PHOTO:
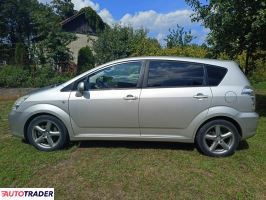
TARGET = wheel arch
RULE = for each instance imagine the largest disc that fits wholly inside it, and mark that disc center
(230, 119)
(46, 109)
(34, 116)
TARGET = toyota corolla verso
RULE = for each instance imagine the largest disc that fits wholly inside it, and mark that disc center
(202, 101)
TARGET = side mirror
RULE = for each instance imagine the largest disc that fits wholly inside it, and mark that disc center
(81, 87)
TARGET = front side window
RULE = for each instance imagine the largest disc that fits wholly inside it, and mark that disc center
(124, 75)
(175, 74)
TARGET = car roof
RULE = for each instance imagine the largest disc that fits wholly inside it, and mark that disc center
(223, 63)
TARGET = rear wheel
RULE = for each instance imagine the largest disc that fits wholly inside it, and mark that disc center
(217, 138)
(47, 133)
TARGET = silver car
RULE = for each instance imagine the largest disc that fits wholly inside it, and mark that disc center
(202, 101)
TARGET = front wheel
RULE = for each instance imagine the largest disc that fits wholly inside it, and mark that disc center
(47, 133)
(217, 138)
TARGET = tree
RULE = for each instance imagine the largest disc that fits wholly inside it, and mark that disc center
(188, 51)
(235, 27)
(86, 60)
(16, 23)
(113, 43)
(121, 42)
(57, 52)
(93, 19)
(143, 45)
(63, 8)
(21, 56)
(50, 43)
(36, 27)
(178, 37)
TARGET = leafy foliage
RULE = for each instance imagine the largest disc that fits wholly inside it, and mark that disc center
(16, 21)
(94, 20)
(113, 43)
(11, 76)
(86, 60)
(179, 37)
(235, 26)
(51, 42)
(36, 28)
(188, 51)
(121, 42)
(143, 45)
(14, 76)
(63, 8)
(21, 56)
(47, 76)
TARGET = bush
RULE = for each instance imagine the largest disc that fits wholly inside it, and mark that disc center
(46, 75)
(86, 60)
(259, 73)
(11, 76)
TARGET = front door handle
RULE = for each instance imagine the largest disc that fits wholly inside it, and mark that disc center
(130, 97)
(200, 96)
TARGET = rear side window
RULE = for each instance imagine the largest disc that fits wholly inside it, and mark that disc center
(215, 74)
(175, 74)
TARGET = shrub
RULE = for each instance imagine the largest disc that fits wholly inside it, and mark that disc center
(11, 76)
(46, 75)
(86, 60)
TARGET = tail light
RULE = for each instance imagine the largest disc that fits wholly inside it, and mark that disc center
(247, 90)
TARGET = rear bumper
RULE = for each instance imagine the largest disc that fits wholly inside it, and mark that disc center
(248, 123)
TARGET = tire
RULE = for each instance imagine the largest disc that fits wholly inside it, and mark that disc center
(217, 138)
(47, 133)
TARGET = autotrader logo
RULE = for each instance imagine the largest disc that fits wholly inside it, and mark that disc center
(27, 193)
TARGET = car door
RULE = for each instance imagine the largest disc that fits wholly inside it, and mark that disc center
(174, 93)
(109, 104)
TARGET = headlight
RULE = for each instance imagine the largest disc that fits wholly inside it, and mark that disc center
(19, 101)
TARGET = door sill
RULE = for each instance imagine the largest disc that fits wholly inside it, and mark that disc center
(130, 137)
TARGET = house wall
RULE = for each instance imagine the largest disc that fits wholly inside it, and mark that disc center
(81, 41)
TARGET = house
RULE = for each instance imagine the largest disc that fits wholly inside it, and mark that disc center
(85, 33)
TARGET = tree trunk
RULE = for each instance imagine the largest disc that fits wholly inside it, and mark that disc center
(246, 69)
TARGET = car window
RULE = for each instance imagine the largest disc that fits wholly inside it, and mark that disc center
(124, 75)
(175, 74)
(215, 74)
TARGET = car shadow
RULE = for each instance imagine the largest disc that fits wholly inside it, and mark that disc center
(243, 145)
(137, 145)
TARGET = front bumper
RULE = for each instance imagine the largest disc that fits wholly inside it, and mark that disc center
(16, 123)
(248, 123)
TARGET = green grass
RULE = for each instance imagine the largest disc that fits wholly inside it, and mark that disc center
(136, 170)
(260, 85)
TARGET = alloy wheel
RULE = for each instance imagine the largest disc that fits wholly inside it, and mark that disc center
(219, 139)
(46, 134)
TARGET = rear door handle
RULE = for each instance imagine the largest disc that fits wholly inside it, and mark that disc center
(200, 96)
(130, 97)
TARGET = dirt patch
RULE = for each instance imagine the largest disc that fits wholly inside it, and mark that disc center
(13, 93)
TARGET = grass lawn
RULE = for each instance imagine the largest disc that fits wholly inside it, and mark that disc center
(136, 170)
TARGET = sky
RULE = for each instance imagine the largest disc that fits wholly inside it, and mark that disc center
(157, 16)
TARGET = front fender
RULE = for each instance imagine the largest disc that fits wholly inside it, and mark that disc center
(52, 110)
